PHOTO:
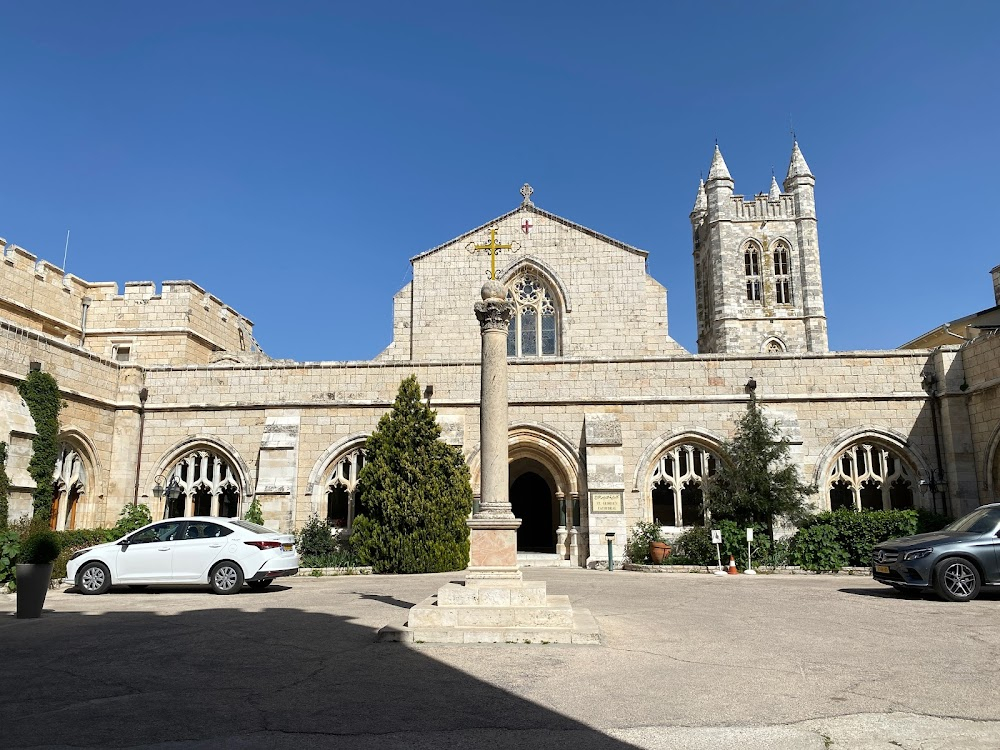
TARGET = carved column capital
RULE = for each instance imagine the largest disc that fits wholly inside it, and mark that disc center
(494, 315)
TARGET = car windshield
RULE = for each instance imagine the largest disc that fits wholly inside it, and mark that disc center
(977, 522)
(251, 526)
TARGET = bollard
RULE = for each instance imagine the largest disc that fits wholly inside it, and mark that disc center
(610, 536)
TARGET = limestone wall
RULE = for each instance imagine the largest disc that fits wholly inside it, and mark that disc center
(982, 373)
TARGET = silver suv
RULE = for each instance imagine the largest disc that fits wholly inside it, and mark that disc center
(956, 561)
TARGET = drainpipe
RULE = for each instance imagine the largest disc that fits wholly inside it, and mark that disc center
(143, 395)
(85, 303)
(930, 383)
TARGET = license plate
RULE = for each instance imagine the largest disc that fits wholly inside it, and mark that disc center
(286, 547)
(882, 569)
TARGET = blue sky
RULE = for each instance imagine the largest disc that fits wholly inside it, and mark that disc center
(291, 157)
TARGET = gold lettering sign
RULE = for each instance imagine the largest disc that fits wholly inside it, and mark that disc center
(606, 502)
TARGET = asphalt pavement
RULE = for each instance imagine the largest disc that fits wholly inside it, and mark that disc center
(688, 661)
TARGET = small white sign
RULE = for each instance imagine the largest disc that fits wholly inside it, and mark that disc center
(716, 536)
(749, 535)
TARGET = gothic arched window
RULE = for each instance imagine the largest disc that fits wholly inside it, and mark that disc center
(343, 501)
(870, 477)
(69, 484)
(782, 274)
(751, 265)
(676, 484)
(533, 326)
(205, 485)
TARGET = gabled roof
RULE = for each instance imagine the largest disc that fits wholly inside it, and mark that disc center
(957, 331)
(532, 209)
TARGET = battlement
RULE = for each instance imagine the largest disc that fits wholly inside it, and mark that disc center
(761, 207)
(179, 323)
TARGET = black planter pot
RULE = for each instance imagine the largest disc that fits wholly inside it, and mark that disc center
(32, 585)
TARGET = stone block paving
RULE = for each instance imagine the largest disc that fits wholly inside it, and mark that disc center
(685, 661)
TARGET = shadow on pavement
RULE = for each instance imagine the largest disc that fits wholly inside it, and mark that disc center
(279, 677)
(385, 600)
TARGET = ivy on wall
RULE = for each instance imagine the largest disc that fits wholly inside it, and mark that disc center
(41, 393)
(4, 486)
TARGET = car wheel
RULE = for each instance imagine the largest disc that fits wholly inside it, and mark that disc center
(226, 578)
(956, 579)
(93, 578)
(260, 585)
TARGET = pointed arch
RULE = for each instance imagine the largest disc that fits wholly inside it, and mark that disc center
(991, 471)
(545, 271)
(773, 345)
(543, 443)
(206, 465)
(673, 471)
(74, 481)
(329, 477)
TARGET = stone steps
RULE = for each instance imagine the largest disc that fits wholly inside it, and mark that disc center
(584, 631)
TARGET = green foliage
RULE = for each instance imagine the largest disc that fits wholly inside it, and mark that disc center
(416, 493)
(694, 547)
(315, 539)
(10, 546)
(816, 548)
(72, 540)
(4, 487)
(929, 521)
(639, 538)
(40, 548)
(757, 484)
(41, 393)
(856, 532)
(342, 557)
(254, 513)
(131, 518)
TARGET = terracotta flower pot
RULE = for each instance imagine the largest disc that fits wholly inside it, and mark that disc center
(657, 551)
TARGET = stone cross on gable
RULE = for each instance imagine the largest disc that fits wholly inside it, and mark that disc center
(526, 191)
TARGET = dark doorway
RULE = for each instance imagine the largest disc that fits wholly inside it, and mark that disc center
(531, 501)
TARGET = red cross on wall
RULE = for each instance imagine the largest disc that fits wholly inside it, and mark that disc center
(526, 226)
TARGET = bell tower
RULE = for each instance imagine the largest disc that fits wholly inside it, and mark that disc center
(758, 286)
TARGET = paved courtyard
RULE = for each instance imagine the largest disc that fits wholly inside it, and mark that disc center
(688, 661)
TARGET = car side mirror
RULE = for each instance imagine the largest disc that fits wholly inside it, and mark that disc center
(124, 543)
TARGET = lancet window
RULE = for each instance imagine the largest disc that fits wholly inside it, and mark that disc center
(69, 481)
(870, 477)
(343, 501)
(782, 274)
(533, 327)
(208, 487)
(751, 264)
(677, 482)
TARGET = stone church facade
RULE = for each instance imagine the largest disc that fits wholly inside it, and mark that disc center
(169, 401)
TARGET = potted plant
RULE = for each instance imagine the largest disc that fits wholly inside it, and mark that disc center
(34, 572)
(646, 541)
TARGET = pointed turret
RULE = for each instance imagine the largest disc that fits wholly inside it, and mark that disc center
(719, 170)
(797, 166)
(774, 194)
(700, 201)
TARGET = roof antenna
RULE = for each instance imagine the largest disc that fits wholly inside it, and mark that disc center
(65, 252)
(791, 127)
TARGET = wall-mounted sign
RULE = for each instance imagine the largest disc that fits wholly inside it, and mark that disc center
(607, 502)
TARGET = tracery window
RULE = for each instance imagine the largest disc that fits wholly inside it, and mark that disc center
(676, 485)
(343, 501)
(782, 274)
(773, 346)
(533, 329)
(870, 477)
(208, 487)
(69, 484)
(751, 264)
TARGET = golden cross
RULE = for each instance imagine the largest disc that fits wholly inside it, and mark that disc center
(492, 249)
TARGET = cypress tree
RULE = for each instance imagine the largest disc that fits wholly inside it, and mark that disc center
(415, 495)
(757, 484)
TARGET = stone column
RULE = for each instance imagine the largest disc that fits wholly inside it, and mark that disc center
(493, 528)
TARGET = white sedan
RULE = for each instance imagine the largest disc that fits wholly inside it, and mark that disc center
(222, 552)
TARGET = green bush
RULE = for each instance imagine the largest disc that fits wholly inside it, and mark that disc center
(342, 557)
(929, 521)
(693, 547)
(131, 518)
(415, 491)
(40, 548)
(10, 545)
(815, 547)
(77, 539)
(639, 538)
(315, 539)
(254, 513)
(4, 487)
(856, 532)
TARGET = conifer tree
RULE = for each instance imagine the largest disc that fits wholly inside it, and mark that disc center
(415, 495)
(757, 484)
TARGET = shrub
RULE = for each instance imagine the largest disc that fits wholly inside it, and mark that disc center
(131, 518)
(40, 548)
(815, 547)
(254, 513)
(694, 547)
(77, 539)
(415, 492)
(639, 538)
(315, 539)
(856, 532)
(41, 393)
(10, 545)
